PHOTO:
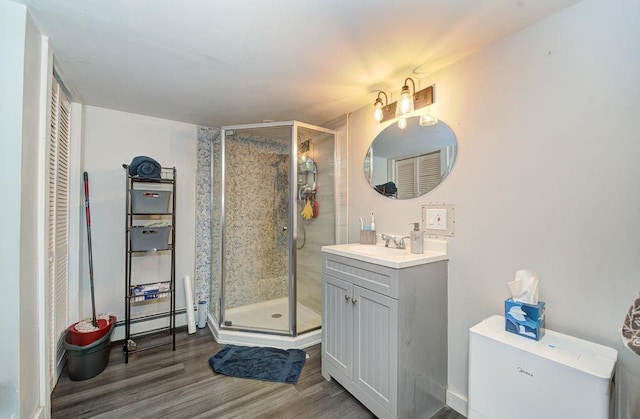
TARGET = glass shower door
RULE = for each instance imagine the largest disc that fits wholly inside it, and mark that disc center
(255, 228)
(316, 189)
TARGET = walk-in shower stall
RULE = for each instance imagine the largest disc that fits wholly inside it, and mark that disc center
(273, 207)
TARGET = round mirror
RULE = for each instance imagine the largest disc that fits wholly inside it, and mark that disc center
(407, 163)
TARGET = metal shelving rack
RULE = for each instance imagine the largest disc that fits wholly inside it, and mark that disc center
(167, 183)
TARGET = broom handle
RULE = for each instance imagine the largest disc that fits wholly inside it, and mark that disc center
(87, 212)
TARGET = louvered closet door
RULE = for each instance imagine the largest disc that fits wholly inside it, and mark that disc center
(58, 222)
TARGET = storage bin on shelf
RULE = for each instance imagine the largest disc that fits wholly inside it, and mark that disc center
(149, 238)
(149, 201)
(147, 292)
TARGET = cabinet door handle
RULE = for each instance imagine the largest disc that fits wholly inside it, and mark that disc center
(354, 300)
(347, 297)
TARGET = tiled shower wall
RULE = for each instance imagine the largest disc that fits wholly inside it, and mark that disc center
(208, 138)
(256, 211)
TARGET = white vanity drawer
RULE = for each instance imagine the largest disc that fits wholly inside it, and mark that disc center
(376, 278)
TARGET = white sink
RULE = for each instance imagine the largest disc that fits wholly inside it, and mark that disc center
(381, 251)
(435, 251)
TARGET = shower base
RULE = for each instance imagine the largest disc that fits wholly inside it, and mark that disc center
(264, 319)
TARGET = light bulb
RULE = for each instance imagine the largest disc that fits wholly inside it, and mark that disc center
(402, 123)
(406, 103)
(377, 110)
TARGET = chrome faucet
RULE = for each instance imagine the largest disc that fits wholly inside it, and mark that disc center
(398, 243)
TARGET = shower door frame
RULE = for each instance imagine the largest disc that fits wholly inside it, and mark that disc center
(292, 220)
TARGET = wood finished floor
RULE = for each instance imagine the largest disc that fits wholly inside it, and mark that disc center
(160, 383)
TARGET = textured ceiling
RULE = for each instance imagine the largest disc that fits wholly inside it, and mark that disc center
(218, 63)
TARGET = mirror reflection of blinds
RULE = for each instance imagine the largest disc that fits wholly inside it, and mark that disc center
(406, 178)
(417, 175)
(428, 172)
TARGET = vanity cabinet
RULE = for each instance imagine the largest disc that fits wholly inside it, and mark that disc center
(385, 334)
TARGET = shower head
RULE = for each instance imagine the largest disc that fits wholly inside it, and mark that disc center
(303, 191)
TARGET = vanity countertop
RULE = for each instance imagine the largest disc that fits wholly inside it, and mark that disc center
(434, 251)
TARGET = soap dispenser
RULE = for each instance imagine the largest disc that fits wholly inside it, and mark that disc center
(417, 239)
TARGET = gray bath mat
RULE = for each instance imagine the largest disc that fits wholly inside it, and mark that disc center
(267, 364)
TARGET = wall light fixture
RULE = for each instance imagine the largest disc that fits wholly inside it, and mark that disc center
(378, 112)
(408, 105)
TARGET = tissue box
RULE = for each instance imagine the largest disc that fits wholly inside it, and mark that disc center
(524, 319)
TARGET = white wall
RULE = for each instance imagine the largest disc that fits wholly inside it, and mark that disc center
(546, 178)
(20, 370)
(12, 33)
(30, 367)
(111, 139)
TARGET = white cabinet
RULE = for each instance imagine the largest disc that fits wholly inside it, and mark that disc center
(385, 334)
(337, 324)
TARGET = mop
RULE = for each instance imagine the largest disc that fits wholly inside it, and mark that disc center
(94, 320)
(89, 330)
